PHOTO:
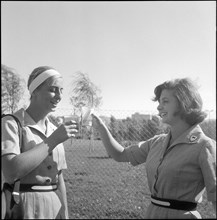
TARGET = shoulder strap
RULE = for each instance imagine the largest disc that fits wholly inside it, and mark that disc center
(19, 127)
(16, 188)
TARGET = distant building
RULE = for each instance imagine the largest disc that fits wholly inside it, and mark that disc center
(139, 117)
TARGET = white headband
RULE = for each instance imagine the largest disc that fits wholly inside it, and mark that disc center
(41, 78)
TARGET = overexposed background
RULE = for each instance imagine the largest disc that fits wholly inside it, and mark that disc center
(126, 48)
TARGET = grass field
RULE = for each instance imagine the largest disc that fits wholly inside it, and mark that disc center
(100, 188)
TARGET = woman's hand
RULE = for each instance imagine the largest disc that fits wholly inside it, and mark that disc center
(96, 121)
(114, 149)
(65, 131)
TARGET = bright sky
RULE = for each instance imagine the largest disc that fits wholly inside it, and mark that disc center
(126, 48)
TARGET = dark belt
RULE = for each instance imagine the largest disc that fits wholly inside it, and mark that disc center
(37, 188)
(173, 204)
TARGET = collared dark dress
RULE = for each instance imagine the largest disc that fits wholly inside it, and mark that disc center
(180, 171)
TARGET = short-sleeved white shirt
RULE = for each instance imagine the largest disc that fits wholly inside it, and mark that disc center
(47, 171)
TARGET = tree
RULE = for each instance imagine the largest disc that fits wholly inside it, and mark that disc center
(84, 94)
(12, 89)
(114, 127)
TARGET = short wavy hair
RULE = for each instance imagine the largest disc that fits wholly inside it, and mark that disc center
(190, 102)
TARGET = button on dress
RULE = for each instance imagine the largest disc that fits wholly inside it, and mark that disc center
(180, 171)
(37, 205)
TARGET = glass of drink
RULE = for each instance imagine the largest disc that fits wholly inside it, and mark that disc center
(86, 117)
(74, 118)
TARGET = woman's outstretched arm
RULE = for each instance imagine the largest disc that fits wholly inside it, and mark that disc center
(113, 148)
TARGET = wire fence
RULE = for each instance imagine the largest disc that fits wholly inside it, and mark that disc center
(99, 187)
(129, 125)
